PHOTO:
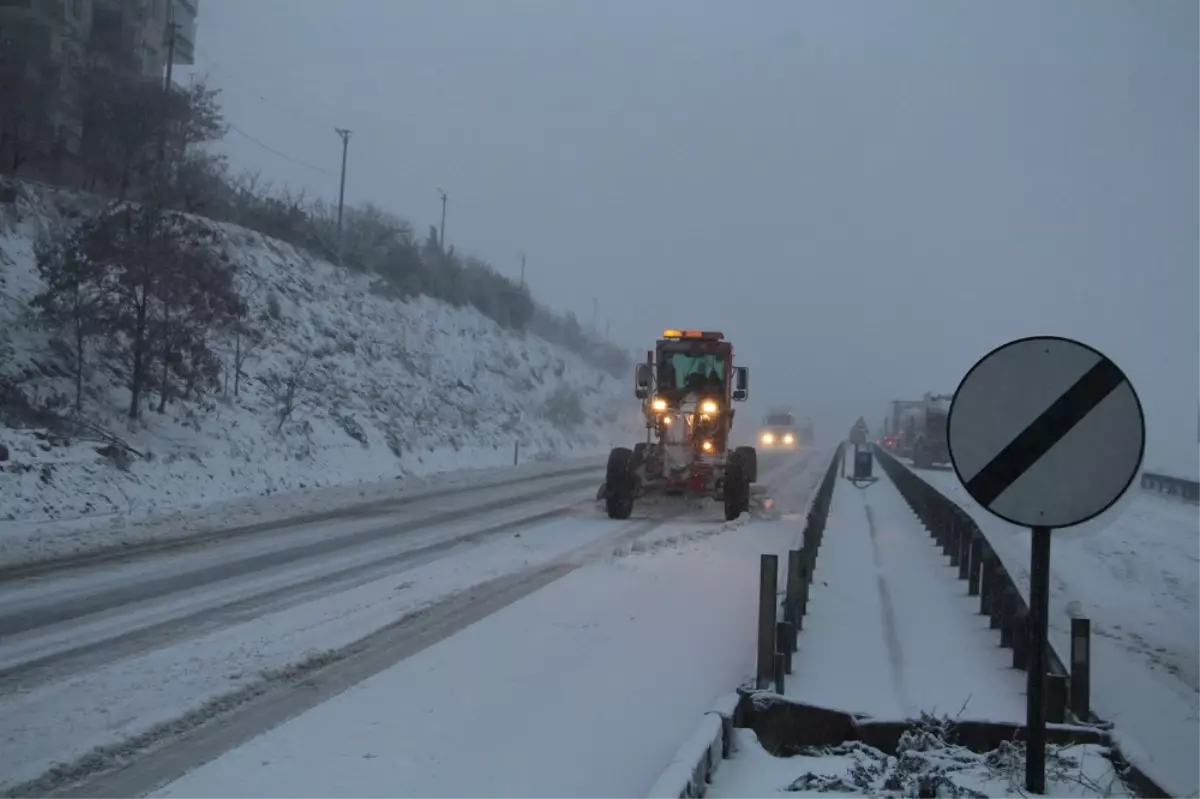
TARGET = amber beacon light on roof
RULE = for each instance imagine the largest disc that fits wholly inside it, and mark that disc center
(703, 335)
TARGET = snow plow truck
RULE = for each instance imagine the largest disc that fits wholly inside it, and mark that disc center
(687, 386)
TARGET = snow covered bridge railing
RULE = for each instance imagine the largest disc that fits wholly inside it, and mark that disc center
(1188, 490)
(999, 596)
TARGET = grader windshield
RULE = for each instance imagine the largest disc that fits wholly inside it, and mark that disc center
(694, 371)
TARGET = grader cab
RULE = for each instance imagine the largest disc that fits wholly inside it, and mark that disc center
(687, 386)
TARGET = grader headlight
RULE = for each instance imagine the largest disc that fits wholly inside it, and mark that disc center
(707, 446)
(709, 407)
(659, 405)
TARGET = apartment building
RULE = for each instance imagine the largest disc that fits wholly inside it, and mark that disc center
(36, 33)
(151, 29)
(59, 26)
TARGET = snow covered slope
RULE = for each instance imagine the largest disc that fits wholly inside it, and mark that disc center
(390, 389)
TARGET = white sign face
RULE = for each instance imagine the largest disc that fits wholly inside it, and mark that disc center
(1046, 432)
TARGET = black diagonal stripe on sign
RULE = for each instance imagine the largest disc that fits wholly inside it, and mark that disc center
(1047, 430)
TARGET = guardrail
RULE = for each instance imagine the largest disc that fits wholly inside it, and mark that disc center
(1068, 690)
(691, 771)
(1171, 486)
(778, 638)
(999, 596)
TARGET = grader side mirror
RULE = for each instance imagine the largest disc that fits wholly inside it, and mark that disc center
(741, 383)
(641, 380)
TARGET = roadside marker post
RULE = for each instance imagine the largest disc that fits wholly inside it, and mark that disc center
(1045, 432)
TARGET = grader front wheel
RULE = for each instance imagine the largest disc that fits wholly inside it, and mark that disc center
(737, 487)
(619, 483)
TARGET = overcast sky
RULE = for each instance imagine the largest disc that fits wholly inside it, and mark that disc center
(866, 197)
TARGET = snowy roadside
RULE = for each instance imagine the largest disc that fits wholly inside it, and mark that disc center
(341, 385)
(1133, 572)
(25, 542)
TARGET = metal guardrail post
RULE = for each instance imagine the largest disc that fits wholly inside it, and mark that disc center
(767, 577)
(975, 575)
(986, 582)
(1001, 586)
(1008, 614)
(1081, 668)
(964, 544)
(783, 643)
(1020, 641)
(1056, 697)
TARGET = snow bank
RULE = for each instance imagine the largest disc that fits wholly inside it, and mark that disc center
(398, 389)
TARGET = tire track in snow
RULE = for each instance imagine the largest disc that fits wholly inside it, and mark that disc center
(168, 750)
(209, 619)
(891, 639)
(174, 544)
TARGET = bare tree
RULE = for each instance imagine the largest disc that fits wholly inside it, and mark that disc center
(169, 291)
(288, 390)
(246, 335)
(128, 120)
(73, 300)
(200, 184)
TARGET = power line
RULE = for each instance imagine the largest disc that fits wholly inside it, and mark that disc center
(273, 151)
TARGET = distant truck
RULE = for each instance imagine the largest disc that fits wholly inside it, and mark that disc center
(916, 429)
(781, 430)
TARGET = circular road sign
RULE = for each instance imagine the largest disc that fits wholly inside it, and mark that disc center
(1046, 432)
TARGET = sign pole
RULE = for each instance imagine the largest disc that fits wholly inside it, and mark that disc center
(1045, 433)
(1035, 686)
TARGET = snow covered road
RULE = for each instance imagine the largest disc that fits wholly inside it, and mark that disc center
(890, 630)
(1133, 572)
(98, 667)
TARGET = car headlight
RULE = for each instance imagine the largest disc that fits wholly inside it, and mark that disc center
(708, 406)
(659, 404)
(768, 438)
(788, 439)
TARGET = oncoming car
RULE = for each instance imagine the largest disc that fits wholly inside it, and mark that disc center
(779, 430)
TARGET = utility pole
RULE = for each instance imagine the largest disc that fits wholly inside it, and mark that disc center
(345, 134)
(522, 270)
(442, 229)
(594, 306)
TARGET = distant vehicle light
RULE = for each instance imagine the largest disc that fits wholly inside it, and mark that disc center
(788, 439)
(768, 438)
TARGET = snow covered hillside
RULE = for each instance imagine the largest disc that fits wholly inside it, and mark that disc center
(345, 386)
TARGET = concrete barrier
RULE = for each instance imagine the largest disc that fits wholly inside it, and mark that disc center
(691, 770)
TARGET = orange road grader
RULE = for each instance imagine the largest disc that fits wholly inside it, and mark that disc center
(687, 386)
